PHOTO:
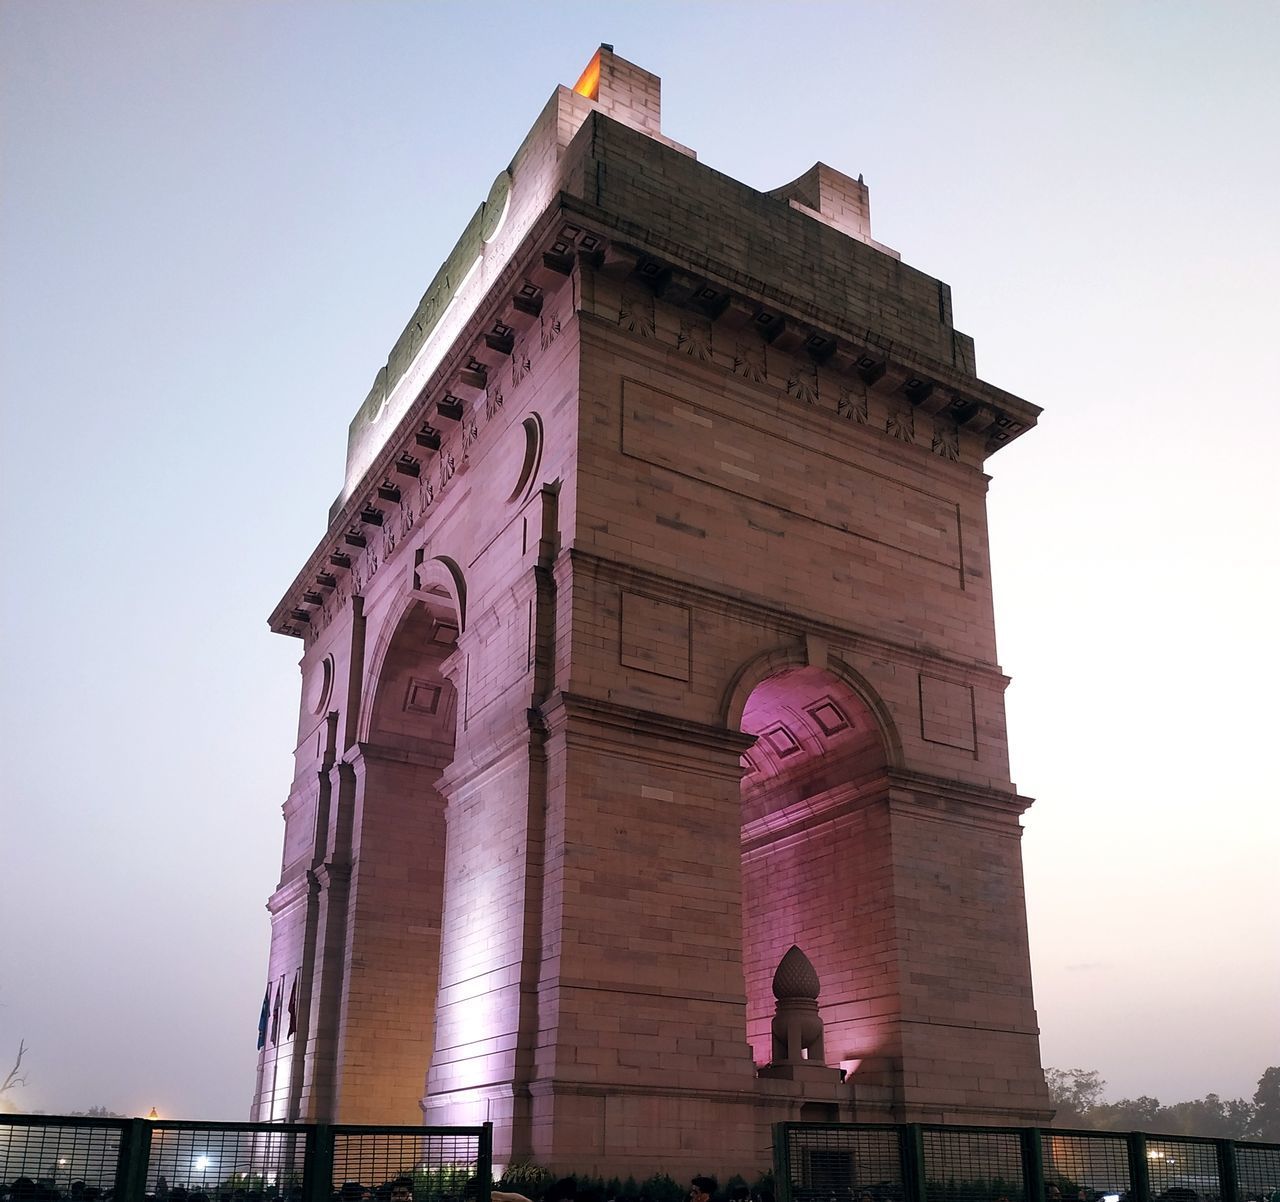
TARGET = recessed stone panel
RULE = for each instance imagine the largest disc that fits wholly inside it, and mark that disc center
(829, 717)
(655, 636)
(423, 697)
(946, 713)
(670, 432)
(781, 740)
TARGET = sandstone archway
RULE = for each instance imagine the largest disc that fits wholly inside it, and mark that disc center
(814, 849)
(398, 862)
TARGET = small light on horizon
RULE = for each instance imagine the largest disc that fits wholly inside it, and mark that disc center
(152, 1116)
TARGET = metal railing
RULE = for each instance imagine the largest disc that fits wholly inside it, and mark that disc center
(54, 1159)
(828, 1162)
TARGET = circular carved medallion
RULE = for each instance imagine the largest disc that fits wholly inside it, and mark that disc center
(319, 686)
(495, 208)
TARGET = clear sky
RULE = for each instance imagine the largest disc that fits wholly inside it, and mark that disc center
(215, 218)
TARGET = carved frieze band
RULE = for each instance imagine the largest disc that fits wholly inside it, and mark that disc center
(800, 377)
(918, 399)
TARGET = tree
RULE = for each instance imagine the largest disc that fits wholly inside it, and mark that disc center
(1265, 1124)
(1128, 1114)
(97, 1112)
(1075, 1092)
(16, 1076)
(1210, 1115)
(1239, 1116)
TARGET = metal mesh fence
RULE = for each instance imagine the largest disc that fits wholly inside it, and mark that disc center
(64, 1159)
(1183, 1170)
(438, 1163)
(831, 1162)
(42, 1158)
(861, 1164)
(972, 1166)
(224, 1163)
(1257, 1171)
(55, 1159)
(1097, 1164)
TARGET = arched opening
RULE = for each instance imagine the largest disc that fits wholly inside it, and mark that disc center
(815, 854)
(414, 706)
(398, 864)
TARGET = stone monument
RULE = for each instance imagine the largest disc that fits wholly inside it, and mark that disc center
(651, 635)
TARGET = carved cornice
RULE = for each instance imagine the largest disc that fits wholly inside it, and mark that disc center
(815, 810)
(434, 441)
(929, 796)
(926, 793)
(332, 873)
(362, 754)
(291, 892)
(692, 279)
(615, 726)
(477, 760)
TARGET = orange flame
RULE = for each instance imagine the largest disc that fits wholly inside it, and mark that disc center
(588, 84)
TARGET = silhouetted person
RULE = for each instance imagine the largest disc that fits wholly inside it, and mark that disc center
(703, 1188)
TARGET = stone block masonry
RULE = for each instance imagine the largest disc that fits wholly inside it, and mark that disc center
(651, 635)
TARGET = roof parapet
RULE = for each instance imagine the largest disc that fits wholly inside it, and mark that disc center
(623, 91)
(836, 200)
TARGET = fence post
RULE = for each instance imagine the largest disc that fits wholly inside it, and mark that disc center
(1032, 1164)
(1139, 1174)
(781, 1163)
(484, 1162)
(914, 1188)
(132, 1160)
(317, 1164)
(1228, 1178)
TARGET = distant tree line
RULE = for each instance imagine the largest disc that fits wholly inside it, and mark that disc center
(1078, 1095)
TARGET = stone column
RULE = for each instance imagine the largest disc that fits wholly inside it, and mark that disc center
(641, 1002)
(392, 932)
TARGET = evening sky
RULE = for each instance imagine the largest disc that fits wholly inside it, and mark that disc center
(215, 219)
